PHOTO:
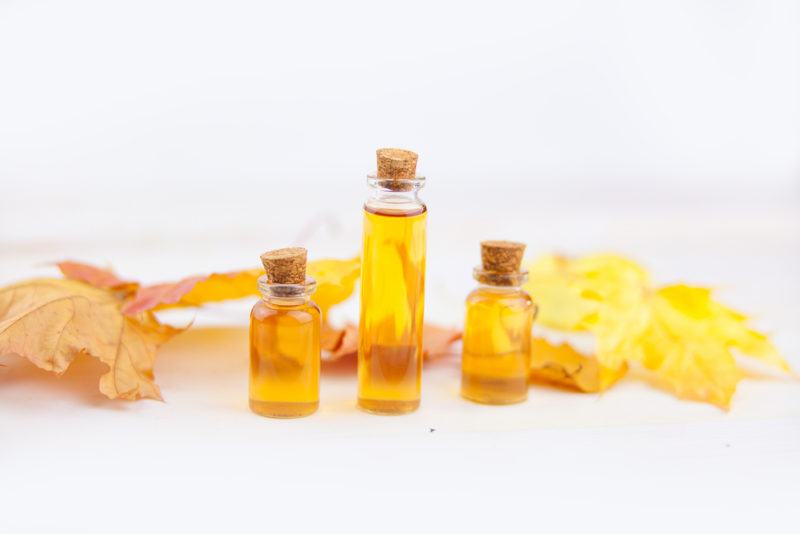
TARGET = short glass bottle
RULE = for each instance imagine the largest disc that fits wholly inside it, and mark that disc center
(285, 350)
(497, 339)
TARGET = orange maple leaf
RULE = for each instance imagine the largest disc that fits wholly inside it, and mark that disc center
(96, 276)
(51, 321)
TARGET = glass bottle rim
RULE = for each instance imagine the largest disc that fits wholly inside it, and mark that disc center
(496, 279)
(396, 184)
(286, 290)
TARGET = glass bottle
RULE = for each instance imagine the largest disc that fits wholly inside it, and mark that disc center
(497, 331)
(284, 339)
(392, 287)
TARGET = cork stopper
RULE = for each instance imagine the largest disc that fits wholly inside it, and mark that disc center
(396, 164)
(285, 265)
(502, 256)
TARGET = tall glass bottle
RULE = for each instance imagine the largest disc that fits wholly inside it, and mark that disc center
(284, 339)
(497, 331)
(392, 287)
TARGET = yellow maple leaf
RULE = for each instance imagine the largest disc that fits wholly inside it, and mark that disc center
(679, 332)
(574, 290)
(51, 321)
(336, 281)
(688, 339)
(195, 291)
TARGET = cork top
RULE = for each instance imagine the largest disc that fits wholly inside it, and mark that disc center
(285, 265)
(396, 164)
(502, 256)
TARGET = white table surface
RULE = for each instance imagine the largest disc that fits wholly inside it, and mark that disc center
(634, 458)
(173, 137)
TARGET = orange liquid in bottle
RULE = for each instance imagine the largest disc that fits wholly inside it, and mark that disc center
(392, 302)
(284, 359)
(497, 345)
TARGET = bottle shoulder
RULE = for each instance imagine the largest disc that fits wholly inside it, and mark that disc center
(500, 297)
(409, 209)
(304, 312)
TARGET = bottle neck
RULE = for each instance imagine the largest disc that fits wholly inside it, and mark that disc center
(500, 281)
(286, 294)
(499, 288)
(393, 194)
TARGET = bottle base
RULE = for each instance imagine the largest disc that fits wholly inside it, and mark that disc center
(495, 401)
(494, 391)
(387, 407)
(283, 410)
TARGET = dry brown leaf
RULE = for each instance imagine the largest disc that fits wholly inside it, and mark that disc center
(195, 291)
(51, 321)
(563, 365)
(96, 312)
(348, 343)
(335, 283)
(330, 338)
(190, 291)
(96, 276)
(436, 342)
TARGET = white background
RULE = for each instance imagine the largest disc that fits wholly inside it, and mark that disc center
(170, 137)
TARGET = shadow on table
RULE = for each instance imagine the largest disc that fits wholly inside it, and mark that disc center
(203, 365)
(207, 364)
(79, 382)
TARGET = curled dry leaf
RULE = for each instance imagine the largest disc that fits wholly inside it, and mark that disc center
(436, 342)
(561, 364)
(50, 321)
(96, 276)
(187, 292)
(347, 344)
(679, 332)
(336, 281)
(194, 291)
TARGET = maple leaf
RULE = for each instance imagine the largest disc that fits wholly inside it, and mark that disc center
(195, 291)
(191, 291)
(678, 332)
(96, 312)
(689, 340)
(336, 281)
(96, 276)
(51, 321)
(575, 290)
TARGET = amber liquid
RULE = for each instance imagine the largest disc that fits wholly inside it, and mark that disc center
(284, 359)
(497, 342)
(392, 301)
